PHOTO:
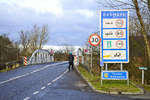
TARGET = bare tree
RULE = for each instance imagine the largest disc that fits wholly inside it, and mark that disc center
(43, 36)
(24, 41)
(135, 2)
(34, 37)
(148, 3)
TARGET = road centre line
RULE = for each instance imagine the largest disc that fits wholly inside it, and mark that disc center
(36, 92)
(27, 98)
(43, 87)
(59, 76)
(49, 83)
(29, 73)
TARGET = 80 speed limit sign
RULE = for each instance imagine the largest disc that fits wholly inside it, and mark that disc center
(94, 40)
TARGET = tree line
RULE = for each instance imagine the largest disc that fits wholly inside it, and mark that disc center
(28, 42)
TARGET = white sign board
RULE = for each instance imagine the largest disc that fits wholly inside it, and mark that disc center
(114, 28)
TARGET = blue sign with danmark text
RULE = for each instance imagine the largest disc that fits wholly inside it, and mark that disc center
(114, 32)
(114, 75)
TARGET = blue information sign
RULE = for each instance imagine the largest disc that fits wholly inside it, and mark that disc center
(114, 75)
(114, 36)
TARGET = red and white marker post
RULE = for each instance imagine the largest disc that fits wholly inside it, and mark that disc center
(25, 60)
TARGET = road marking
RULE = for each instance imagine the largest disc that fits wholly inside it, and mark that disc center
(34, 71)
(36, 92)
(43, 87)
(27, 98)
(49, 83)
(59, 76)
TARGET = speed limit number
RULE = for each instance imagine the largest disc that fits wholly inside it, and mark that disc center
(94, 40)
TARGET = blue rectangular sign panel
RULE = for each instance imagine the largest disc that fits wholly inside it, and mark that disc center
(114, 75)
(114, 28)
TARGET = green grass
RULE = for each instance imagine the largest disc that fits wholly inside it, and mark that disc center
(13, 67)
(147, 87)
(5, 70)
(108, 85)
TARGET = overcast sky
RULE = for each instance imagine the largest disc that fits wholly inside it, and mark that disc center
(69, 21)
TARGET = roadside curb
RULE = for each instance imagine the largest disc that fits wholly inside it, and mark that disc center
(100, 91)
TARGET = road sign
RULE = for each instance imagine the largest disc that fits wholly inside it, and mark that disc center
(114, 26)
(114, 75)
(143, 68)
(87, 51)
(94, 40)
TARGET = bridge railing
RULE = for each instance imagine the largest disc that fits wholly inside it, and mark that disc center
(41, 56)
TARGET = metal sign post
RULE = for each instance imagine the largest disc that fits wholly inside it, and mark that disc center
(142, 76)
(101, 65)
(91, 60)
(94, 40)
(121, 66)
(114, 32)
(106, 67)
(143, 68)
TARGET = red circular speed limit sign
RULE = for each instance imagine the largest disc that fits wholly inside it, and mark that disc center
(94, 40)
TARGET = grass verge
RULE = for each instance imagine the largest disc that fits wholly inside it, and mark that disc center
(108, 85)
(8, 69)
(147, 87)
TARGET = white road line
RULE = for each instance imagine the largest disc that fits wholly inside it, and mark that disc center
(43, 87)
(36, 92)
(34, 71)
(27, 98)
(49, 83)
(59, 76)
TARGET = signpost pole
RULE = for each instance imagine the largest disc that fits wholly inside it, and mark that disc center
(101, 76)
(142, 76)
(91, 60)
(106, 67)
(101, 82)
(121, 66)
(128, 80)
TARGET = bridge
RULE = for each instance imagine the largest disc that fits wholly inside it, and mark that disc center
(41, 56)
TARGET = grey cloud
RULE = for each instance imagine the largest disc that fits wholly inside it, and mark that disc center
(72, 27)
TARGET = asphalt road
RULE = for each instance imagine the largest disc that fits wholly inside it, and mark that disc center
(48, 82)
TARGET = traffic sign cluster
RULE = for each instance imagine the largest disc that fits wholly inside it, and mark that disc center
(114, 35)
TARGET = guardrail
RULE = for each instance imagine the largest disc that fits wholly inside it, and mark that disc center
(10, 65)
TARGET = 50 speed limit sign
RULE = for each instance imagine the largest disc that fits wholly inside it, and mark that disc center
(94, 40)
